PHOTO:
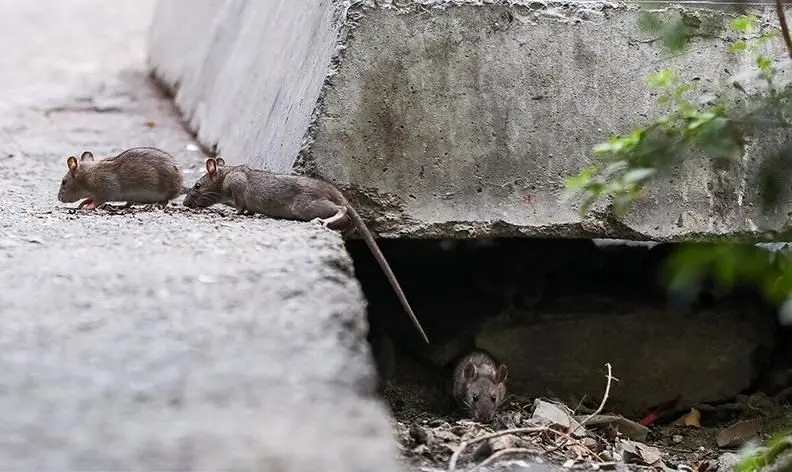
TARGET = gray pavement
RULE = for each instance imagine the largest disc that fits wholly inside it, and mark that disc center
(159, 340)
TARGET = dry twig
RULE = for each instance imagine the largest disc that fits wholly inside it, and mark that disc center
(455, 457)
(570, 439)
(604, 399)
(503, 452)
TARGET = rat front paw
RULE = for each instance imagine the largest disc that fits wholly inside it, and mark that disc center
(88, 204)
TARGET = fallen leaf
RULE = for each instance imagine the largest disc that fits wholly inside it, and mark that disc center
(739, 433)
(650, 455)
(556, 414)
(693, 418)
(508, 441)
(630, 429)
(500, 443)
(634, 451)
(150, 123)
(648, 419)
(654, 413)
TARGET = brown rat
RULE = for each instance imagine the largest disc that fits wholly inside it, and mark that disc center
(289, 197)
(140, 175)
(480, 385)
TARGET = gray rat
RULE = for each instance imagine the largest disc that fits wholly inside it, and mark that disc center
(289, 197)
(480, 385)
(140, 175)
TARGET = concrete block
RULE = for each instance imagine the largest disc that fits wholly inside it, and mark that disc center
(246, 74)
(449, 119)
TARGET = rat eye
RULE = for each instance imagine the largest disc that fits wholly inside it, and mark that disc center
(492, 397)
(475, 397)
(197, 185)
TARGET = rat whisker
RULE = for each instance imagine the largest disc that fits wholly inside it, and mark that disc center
(207, 199)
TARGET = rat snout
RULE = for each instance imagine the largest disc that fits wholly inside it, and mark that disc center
(484, 416)
(189, 201)
(66, 197)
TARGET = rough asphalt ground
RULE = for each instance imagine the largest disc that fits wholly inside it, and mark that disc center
(159, 340)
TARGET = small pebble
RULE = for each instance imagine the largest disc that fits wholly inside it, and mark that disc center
(677, 438)
(419, 434)
(421, 450)
(590, 443)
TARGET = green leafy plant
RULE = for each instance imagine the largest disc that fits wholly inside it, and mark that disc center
(714, 126)
(695, 123)
(754, 457)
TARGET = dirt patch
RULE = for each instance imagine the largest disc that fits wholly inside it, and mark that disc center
(530, 440)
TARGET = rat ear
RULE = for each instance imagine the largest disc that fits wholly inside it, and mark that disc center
(211, 166)
(86, 156)
(220, 162)
(470, 371)
(501, 374)
(71, 162)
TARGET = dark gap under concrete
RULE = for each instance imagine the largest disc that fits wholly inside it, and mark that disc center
(555, 311)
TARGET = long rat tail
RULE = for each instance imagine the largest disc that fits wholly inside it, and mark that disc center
(375, 250)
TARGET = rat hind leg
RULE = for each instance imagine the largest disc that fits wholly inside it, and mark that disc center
(340, 214)
(338, 220)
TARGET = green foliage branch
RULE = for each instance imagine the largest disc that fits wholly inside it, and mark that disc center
(710, 125)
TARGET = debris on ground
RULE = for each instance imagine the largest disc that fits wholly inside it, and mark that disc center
(553, 414)
(739, 433)
(692, 418)
(545, 434)
(612, 425)
(633, 452)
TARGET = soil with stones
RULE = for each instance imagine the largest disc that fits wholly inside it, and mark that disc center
(707, 439)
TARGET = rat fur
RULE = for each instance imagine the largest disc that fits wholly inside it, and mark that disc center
(290, 197)
(480, 385)
(141, 175)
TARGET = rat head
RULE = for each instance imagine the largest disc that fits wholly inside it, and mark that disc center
(72, 187)
(209, 188)
(485, 392)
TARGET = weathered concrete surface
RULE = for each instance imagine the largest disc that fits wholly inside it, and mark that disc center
(449, 118)
(163, 340)
(246, 74)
